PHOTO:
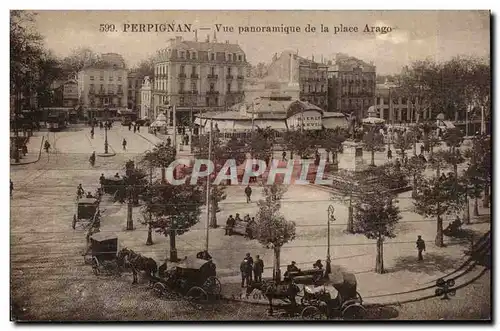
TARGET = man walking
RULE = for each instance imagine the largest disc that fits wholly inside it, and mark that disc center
(124, 144)
(11, 188)
(420, 248)
(229, 225)
(245, 270)
(258, 269)
(248, 193)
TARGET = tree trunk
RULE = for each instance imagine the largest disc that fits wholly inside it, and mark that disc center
(163, 176)
(173, 250)
(439, 232)
(414, 188)
(486, 198)
(213, 215)
(277, 270)
(373, 158)
(350, 218)
(149, 241)
(466, 217)
(476, 207)
(327, 157)
(130, 221)
(379, 263)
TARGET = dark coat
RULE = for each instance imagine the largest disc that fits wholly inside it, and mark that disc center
(258, 266)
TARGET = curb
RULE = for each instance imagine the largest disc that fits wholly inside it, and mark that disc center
(38, 159)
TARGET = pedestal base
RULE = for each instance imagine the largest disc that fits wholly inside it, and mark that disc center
(352, 157)
(106, 154)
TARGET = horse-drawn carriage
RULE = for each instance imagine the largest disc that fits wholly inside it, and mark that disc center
(318, 303)
(194, 278)
(114, 185)
(309, 276)
(102, 254)
(87, 212)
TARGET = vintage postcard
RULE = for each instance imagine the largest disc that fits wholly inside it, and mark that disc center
(250, 165)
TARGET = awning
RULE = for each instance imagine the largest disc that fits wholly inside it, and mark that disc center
(373, 120)
(159, 124)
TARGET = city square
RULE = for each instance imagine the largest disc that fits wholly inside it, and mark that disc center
(52, 280)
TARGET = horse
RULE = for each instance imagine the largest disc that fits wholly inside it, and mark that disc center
(273, 290)
(127, 258)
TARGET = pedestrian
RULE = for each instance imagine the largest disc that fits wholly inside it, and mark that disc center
(154, 131)
(249, 258)
(80, 191)
(422, 149)
(102, 179)
(129, 126)
(420, 248)
(46, 146)
(124, 144)
(169, 141)
(25, 150)
(186, 140)
(283, 156)
(138, 128)
(237, 218)
(11, 188)
(245, 270)
(92, 133)
(135, 128)
(389, 154)
(258, 269)
(117, 175)
(92, 159)
(248, 193)
(229, 225)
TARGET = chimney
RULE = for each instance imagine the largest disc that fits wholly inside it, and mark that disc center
(196, 35)
(215, 37)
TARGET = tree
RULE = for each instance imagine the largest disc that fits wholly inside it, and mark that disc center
(161, 156)
(431, 140)
(135, 184)
(49, 70)
(273, 230)
(438, 161)
(217, 194)
(376, 217)
(146, 67)
(236, 150)
(259, 71)
(473, 183)
(414, 168)
(373, 142)
(331, 140)
(174, 209)
(78, 59)
(480, 156)
(403, 142)
(436, 197)
(261, 143)
(301, 142)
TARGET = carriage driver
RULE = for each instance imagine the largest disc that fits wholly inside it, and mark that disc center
(80, 191)
(292, 267)
(318, 265)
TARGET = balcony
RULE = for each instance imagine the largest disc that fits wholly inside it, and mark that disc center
(213, 76)
(240, 77)
(212, 92)
(194, 76)
(120, 92)
(229, 77)
(182, 75)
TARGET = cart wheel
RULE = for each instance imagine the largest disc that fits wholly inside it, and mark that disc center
(359, 298)
(74, 222)
(159, 289)
(95, 270)
(312, 313)
(212, 285)
(197, 296)
(354, 312)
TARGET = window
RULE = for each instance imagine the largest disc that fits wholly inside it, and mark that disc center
(181, 86)
(182, 55)
(181, 100)
(102, 87)
(212, 71)
(91, 86)
(230, 57)
(110, 78)
(91, 77)
(120, 88)
(183, 68)
(229, 87)
(212, 87)
(193, 55)
(119, 78)
(102, 77)
(188, 55)
(193, 70)
(193, 86)
(239, 58)
(212, 56)
(229, 71)
(321, 88)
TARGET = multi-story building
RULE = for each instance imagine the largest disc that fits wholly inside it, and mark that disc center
(393, 106)
(103, 85)
(198, 76)
(351, 85)
(66, 93)
(311, 76)
(134, 82)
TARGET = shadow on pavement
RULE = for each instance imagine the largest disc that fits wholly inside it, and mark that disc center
(377, 312)
(432, 262)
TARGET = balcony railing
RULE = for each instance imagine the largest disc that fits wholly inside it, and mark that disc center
(212, 92)
(229, 76)
(182, 75)
(209, 76)
(194, 76)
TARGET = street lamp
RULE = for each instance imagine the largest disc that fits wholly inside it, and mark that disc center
(331, 218)
(106, 131)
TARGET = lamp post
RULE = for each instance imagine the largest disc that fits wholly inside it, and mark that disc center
(106, 131)
(331, 218)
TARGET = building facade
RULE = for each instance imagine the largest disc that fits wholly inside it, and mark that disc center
(310, 76)
(66, 94)
(197, 76)
(103, 85)
(134, 84)
(146, 100)
(351, 85)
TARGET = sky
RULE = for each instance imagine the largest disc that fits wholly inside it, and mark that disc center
(415, 35)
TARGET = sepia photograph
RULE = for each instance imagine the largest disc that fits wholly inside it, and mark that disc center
(231, 165)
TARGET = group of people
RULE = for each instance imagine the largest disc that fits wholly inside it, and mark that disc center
(251, 270)
(137, 127)
(249, 225)
(80, 192)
